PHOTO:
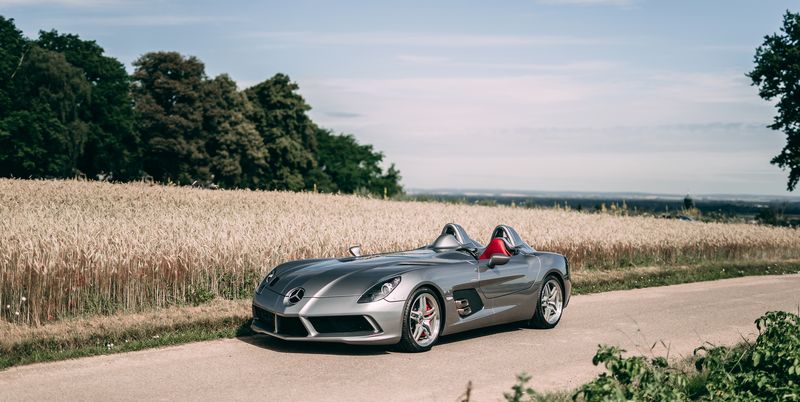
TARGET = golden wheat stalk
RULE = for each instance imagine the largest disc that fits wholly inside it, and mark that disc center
(73, 247)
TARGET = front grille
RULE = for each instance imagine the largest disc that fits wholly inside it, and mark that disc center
(286, 326)
(341, 324)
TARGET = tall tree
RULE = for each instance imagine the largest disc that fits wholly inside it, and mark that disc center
(236, 150)
(281, 117)
(167, 92)
(41, 133)
(66, 108)
(390, 181)
(13, 47)
(777, 76)
(353, 167)
(112, 145)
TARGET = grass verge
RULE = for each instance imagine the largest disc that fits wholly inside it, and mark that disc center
(98, 335)
(598, 281)
(43, 350)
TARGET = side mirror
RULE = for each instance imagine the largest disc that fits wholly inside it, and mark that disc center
(498, 259)
(355, 251)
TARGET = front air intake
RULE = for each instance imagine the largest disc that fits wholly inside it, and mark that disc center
(277, 324)
(341, 324)
(291, 326)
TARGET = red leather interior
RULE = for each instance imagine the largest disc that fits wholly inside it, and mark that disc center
(496, 246)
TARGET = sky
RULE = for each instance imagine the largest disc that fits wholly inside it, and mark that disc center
(529, 95)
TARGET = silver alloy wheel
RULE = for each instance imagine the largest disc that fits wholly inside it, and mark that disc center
(552, 301)
(423, 320)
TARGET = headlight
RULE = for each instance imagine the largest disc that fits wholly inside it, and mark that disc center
(380, 291)
(266, 281)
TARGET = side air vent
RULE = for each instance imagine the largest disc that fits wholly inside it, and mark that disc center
(467, 301)
(462, 306)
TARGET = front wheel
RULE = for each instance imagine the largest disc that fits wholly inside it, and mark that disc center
(421, 322)
(549, 305)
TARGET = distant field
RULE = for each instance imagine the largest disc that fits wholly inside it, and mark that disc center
(712, 207)
(75, 248)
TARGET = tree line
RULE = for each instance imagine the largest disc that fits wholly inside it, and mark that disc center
(67, 109)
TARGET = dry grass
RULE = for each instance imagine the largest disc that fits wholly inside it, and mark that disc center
(118, 326)
(75, 248)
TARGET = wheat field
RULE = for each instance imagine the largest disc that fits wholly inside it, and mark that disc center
(72, 248)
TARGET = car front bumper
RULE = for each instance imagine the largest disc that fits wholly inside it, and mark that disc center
(328, 319)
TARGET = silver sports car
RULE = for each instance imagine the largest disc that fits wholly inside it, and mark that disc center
(411, 298)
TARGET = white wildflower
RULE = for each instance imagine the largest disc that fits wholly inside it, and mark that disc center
(16, 313)
(24, 298)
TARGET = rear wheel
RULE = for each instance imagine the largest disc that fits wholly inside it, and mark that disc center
(421, 322)
(549, 305)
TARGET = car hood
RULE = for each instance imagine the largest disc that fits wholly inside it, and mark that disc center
(350, 276)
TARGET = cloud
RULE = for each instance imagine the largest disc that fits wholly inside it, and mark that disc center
(445, 105)
(122, 16)
(715, 137)
(546, 98)
(423, 60)
(445, 62)
(751, 48)
(646, 131)
(64, 3)
(139, 21)
(663, 172)
(616, 3)
(344, 115)
(426, 40)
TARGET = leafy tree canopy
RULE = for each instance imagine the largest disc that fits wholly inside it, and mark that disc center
(41, 132)
(353, 167)
(167, 90)
(13, 47)
(68, 109)
(238, 155)
(112, 144)
(777, 76)
(281, 117)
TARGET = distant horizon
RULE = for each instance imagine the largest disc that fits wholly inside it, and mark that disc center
(600, 94)
(597, 194)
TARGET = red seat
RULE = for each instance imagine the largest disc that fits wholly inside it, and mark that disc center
(496, 246)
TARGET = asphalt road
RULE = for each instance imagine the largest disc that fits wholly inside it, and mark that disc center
(681, 316)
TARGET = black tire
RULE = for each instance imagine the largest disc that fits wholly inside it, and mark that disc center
(539, 321)
(407, 342)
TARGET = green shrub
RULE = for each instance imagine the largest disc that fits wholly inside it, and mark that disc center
(199, 295)
(633, 378)
(521, 392)
(767, 370)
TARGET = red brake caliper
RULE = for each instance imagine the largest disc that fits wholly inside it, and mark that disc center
(427, 308)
